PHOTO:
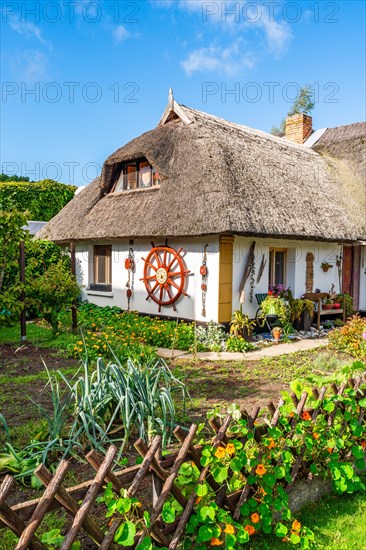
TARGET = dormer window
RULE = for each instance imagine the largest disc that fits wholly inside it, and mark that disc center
(137, 174)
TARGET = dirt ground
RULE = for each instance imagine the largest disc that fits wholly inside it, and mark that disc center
(23, 377)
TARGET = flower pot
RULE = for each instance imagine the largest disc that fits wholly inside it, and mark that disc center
(337, 306)
(248, 335)
(276, 334)
(328, 306)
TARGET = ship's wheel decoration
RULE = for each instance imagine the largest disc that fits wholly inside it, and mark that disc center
(165, 275)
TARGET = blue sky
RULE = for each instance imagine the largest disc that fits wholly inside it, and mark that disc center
(100, 71)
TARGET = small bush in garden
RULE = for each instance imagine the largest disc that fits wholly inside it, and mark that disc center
(351, 338)
(237, 343)
(210, 337)
(52, 291)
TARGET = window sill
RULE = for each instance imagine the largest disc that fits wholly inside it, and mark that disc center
(99, 293)
(138, 190)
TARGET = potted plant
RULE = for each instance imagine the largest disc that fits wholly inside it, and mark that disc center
(326, 266)
(241, 325)
(276, 333)
(275, 307)
(328, 303)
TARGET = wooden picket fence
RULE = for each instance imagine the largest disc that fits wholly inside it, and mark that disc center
(25, 518)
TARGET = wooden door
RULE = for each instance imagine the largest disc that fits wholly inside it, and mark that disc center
(351, 272)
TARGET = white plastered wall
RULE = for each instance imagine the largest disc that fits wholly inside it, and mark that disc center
(296, 267)
(187, 307)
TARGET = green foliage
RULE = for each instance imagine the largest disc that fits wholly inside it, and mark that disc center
(263, 460)
(273, 305)
(130, 396)
(238, 344)
(47, 445)
(5, 177)
(304, 102)
(107, 327)
(99, 406)
(240, 323)
(42, 199)
(348, 302)
(11, 234)
(351, 338)
(210, 337)
(52, 291)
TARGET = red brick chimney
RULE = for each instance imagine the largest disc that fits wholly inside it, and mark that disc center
(299, 127)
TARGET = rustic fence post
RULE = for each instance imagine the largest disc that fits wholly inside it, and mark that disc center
(74, 303)
(23, 324)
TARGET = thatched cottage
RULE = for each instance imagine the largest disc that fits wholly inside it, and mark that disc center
(168, 226)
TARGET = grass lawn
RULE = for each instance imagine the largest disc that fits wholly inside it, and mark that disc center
(338, 522)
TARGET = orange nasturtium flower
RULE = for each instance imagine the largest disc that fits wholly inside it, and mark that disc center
(255, 517)
(296, 526)
(216, 542)
(220, 452)
(260, 470)
(249, 529)
(230, 449)
(306, 416)
(316, 435)
(363, 444)
(271, 443)
(229, 529)
(330, 450)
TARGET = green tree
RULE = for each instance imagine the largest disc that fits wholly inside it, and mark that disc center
(304, 103)
(5, 177)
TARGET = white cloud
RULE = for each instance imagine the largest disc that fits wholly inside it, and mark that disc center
(238, 19)
(228, 61)
(28, 29)
(29, 65)
(278, 35)
(120, 33)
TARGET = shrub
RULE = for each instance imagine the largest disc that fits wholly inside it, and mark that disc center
(52, 291)
(11, 234)
(351, 338)
(42, 199)
(237, 343)
(348, 303)
(210, 337)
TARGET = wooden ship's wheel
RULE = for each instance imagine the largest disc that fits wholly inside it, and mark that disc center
(165, 276)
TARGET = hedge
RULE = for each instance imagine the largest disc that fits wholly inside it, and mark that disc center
(43, 199)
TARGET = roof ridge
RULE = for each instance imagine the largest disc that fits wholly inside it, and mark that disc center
(246, 129)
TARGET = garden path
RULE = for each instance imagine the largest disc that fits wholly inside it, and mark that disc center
(271, 351)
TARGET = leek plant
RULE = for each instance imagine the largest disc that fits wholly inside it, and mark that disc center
(102, 406)
(124, 398)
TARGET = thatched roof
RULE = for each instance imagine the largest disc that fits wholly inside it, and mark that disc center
(217, 177)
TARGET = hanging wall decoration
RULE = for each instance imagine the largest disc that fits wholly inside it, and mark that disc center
(309, 278)
(261, 268)
(165, 275)
(204, 276)
(130, 267)
(248, 272)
